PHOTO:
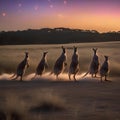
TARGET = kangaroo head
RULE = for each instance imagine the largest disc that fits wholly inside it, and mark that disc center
(45, 53)
(63, 49)
(95, 50)
(75, 49)
(106, 58)
(26, 54)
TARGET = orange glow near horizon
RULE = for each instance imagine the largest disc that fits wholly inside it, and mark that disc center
(84, 21)
(101, 23)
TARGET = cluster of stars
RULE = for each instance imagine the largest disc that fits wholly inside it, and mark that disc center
(51, 5)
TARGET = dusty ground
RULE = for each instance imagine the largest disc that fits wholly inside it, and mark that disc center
(87, 99)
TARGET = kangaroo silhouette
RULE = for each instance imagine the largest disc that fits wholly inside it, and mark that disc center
(104, 70)
(22, 67)
(74, 65)
(60, 63)
(94, 66)
(42, 65)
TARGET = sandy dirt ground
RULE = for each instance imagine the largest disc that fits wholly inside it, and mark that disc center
(86, 99)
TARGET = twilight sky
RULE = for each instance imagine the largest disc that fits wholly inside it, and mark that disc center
(100, 15)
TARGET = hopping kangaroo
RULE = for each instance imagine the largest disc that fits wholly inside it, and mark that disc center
(94, 66)
(22, 67)
(104, 70)
(74, 66)
(42, 65)
(60, 63)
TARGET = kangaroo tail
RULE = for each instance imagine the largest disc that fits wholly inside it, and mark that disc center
(13, 75)
(85, 74)
(51, 73)
(34, 76)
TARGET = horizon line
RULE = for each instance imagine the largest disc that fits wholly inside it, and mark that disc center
(56, 28)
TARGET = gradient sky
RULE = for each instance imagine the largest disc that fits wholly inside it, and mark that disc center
(100, 15)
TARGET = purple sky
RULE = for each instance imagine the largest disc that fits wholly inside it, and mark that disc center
(100, 15)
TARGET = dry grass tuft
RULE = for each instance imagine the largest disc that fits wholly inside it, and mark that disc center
(47, 101)
(2, 115)
(12, 108)
(47, 107)
(24, 106)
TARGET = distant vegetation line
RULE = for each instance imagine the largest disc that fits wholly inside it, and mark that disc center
(55, 36)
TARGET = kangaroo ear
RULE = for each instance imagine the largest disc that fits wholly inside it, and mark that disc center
(26, 53)
(63, 47)
(45, 52)
(93, 49)
(96, 49)
(106, 56)
(74, 47)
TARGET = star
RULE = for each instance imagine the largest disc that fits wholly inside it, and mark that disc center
(4, 14)
(19, 5)
(51, 6)
(36, 8)
(65, 2)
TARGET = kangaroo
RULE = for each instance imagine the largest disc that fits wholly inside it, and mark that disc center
(22, 67)
(60, 63)
(94, 66)
(74, 65)
(42, 65)
(104, 70)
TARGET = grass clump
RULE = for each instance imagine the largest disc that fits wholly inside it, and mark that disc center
(48, 102)
(12, 108)
(2, 115)
(47, 107)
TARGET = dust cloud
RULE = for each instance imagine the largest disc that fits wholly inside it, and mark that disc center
(46, 76)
